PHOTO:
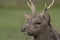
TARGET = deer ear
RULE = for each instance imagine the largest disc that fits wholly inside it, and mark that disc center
(27, 16)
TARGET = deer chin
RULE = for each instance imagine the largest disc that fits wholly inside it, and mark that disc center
(34, 35)
(28, 33)
(31, 34)
(25, 33)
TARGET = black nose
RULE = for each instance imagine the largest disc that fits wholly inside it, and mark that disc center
(23, 29)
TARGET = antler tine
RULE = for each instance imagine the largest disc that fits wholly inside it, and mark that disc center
(46, 8)
(31, 6)
(50, 4)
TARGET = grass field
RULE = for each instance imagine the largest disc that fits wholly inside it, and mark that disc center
(12, 20)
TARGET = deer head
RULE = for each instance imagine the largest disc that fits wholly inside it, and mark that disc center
(36, 22)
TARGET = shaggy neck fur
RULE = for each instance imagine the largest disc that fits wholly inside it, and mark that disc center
(46, 33)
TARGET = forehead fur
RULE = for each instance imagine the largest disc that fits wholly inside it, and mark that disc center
(34, 18)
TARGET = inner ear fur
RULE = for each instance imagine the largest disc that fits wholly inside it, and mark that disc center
(27, 16)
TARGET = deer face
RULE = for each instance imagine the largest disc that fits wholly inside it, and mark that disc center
(36, 22)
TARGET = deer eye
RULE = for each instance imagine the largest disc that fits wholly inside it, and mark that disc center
(37, 23)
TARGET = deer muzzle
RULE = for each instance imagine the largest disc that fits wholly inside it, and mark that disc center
(23, 29)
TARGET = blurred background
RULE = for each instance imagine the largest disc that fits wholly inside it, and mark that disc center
(12, 17)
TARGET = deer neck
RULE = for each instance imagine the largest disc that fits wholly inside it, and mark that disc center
(45, 34)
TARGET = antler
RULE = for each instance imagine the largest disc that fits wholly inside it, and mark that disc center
(50, 4)
(31, 6)
(46, 8)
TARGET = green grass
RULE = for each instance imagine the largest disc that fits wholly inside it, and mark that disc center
(12, 20)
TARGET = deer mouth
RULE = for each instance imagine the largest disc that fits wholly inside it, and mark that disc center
(28, 33)
(32, 33)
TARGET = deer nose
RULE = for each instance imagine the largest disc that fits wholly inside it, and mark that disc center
(23, 29)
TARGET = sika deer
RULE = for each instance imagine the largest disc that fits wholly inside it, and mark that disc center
(38, 25)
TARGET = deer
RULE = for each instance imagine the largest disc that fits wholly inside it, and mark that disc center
(39, 25)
